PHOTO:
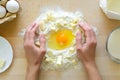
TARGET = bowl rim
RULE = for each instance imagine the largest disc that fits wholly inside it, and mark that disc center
(112, 57)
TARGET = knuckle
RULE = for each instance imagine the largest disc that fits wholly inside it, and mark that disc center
(29, 31)
(78, 49)
(43, 50)
(92, 43)
(95, 42)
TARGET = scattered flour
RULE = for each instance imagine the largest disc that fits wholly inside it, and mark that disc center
(53, 20)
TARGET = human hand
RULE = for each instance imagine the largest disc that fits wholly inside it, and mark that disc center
(86, 51)
(34, 54)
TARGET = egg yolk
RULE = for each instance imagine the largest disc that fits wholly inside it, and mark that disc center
(61, 39)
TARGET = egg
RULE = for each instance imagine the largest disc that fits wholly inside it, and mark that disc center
(61, 39)
(12, 6)
(2, 11)
(60, 30)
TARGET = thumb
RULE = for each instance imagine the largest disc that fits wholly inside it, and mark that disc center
(78, 41)
(42, 43)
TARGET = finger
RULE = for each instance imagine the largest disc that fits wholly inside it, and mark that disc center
(78, 40)
(92, 36)
(29, 35)
(88, 31)
(31, 26)
(28, 30)
(42, 43)
(35, 28)
(92, 33)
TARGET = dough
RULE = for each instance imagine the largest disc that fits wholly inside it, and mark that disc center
(50, 23)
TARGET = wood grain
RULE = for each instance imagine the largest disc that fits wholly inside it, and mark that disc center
(30, 10)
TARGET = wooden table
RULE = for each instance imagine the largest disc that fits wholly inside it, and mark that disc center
(30, 9)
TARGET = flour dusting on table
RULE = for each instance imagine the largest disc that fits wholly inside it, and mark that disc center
(51, 21)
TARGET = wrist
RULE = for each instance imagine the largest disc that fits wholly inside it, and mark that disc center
(92, 71)
(32, 73)
(90, 65)
(32, 68)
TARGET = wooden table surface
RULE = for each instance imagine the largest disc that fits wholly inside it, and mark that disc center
(30, 9)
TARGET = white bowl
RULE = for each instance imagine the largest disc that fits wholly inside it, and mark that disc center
(6, 53)
(110, 8)
(113, 45)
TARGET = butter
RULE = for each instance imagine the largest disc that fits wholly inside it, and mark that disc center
(59, 61)
(74, 62)
(2, 63)
(50, 16)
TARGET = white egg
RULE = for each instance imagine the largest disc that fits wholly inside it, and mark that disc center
(12, 6)
(2, 11)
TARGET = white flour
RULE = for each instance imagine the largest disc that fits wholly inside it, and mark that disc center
(49, 20)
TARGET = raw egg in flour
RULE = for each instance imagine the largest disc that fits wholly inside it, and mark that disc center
(60, 39)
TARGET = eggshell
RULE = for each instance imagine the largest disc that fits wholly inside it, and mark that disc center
(2, 11)
(12, 6)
